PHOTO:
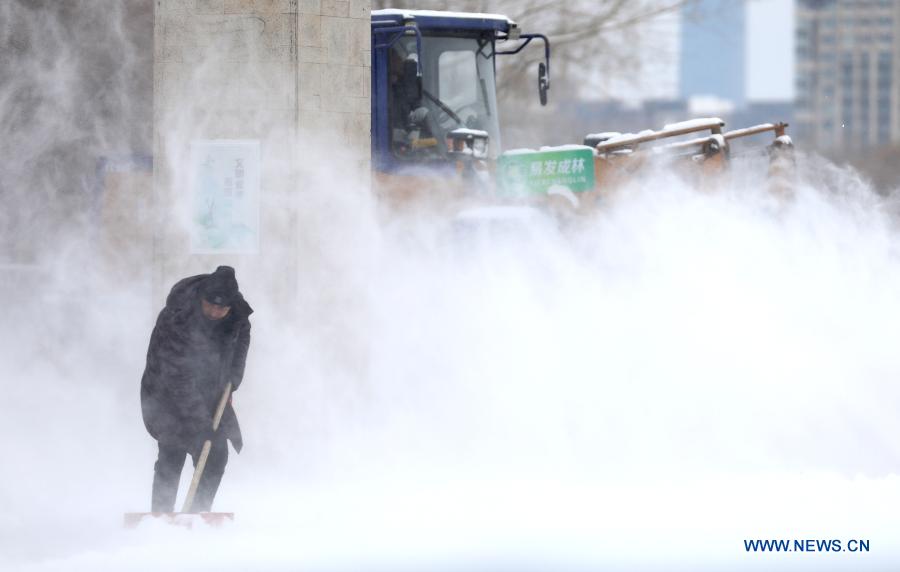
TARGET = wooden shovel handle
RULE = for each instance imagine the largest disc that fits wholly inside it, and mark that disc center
(204, 453)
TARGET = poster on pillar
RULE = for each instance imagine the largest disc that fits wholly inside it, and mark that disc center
(225, 177)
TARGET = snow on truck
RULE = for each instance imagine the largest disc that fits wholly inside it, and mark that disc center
(436, 127)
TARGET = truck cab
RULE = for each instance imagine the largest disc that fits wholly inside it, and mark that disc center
(434, 99)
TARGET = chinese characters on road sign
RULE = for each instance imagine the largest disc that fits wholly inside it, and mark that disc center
(225, 206)
(537, 172)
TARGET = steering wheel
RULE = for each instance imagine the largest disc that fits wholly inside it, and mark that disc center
(451, 119)
(469, 113)
(444, 111)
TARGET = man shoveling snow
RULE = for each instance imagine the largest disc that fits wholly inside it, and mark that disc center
(196, 357)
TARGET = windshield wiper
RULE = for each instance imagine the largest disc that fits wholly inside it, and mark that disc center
(484, 94)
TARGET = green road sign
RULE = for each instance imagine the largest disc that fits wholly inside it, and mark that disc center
(538, 171)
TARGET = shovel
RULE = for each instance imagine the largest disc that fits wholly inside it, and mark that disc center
(185, 517)
(204, 454)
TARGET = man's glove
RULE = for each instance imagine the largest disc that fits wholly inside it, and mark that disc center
(417, 116)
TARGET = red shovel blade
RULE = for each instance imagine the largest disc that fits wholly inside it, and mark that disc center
(185, 519)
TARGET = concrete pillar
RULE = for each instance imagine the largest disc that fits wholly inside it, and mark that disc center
(334, 69)
(283, 73)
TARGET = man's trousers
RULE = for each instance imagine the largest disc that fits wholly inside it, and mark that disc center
(167, 473)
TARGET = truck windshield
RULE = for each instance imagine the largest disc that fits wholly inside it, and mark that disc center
(458, 90)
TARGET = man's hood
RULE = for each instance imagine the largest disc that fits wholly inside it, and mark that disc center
(186, 294)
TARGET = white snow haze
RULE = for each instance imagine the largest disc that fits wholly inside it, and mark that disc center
(643, 389)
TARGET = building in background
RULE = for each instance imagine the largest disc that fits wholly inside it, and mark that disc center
(714, 75)
(846, 59)
(713, 46)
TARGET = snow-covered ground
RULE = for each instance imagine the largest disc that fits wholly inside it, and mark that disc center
(643, 391)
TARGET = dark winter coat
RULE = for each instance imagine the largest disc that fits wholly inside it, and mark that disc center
(189, 361)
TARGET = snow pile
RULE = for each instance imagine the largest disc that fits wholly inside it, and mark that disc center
(684, 371)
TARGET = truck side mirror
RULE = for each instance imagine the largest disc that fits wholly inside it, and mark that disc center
(543, 67)
(543, 83)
